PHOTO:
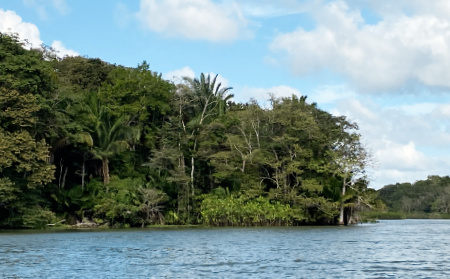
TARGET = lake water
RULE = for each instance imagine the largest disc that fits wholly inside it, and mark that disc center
(388, 249)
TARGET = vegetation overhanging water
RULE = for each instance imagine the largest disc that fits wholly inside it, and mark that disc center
(87, 143)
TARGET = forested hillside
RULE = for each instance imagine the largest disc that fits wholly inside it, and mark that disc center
(83, 139)
(425, 196)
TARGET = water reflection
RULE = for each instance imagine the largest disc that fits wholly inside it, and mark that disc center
(389, 249)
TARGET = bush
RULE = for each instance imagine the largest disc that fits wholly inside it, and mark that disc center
(240, 211)
(37, 217)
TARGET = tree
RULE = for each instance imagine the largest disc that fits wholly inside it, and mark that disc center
(422, 197)
(110, 136)
(142, 95)
(208, 102)
(183, 153)
(25, 82)
(348, 160)
(151, 205)
(78, 74)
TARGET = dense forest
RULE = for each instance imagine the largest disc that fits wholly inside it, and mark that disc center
(424, 198)
(83, 140)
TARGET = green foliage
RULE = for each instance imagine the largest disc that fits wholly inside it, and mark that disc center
(239, 211)
(181, 154)
(24, 70)
(140, 94)
(8, 191)
(20, 154)
(151, 205)
(120, 203)
(17, 110)
(25, 83)
(37, 217)
(424, 196)
(79, 74)
(129, 202)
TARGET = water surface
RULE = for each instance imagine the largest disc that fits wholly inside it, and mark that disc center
(388, 249)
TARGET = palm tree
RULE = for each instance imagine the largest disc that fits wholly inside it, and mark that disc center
(210, 98)
(110, 135)
(111, 138)
(209, 101)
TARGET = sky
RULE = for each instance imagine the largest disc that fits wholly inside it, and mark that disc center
(384, 64)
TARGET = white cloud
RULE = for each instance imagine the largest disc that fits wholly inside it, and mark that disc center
(418, 108)
(10, 22)
(177, 76)
(262, 95)
(27, 32)
(62, 51)
(220, 79)
(402, 157)
(383, 56)
(442, 111)
(362, 112)
(194, 19)
(393, 176)
(327, 94)
(408, 142)
(440, 8)
(386, 123)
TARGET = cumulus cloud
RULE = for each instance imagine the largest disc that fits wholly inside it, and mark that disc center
(402, 157)
(408, 142)
(11, 23)
(439, 8)
(329, 94)
(220, 79)
(177, 76)
(384, 56)
(62, 51)
(194, 19)
(442, 111)
(262, 95)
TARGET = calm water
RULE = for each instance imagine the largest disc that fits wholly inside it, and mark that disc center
(389, 249)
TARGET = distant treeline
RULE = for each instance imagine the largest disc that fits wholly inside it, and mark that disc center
(424, 196)
(82, 139)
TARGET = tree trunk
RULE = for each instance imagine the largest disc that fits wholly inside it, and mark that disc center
(341, 213)
(83, 173)
(105, 169)
(192, 174)
(193, 167)
(61, 168)
(64, 178)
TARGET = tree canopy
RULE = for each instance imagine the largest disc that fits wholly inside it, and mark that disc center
(429, 196)
(83, 139)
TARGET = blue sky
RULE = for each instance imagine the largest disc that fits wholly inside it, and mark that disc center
(382, 63)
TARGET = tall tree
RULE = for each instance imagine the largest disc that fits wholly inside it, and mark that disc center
(111, 135)
(25, 80)
(349, 160)
(207, 96)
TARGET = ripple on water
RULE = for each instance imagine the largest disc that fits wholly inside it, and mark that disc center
(389, 249)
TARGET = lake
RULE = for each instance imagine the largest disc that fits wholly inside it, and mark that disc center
(388, 249)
